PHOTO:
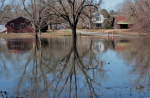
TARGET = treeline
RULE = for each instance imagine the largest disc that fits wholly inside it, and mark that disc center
(137, 8)
(43, 12)
(10, 9)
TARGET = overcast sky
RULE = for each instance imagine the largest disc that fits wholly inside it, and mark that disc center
(110, 4)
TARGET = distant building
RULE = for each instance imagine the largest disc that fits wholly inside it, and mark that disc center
(58, 25)
(123, 22)
(98, 20)
(2, 28)
(19, 25)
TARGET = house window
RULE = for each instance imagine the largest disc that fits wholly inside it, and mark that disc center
(21, 25)
(97, 18)
(11, 25)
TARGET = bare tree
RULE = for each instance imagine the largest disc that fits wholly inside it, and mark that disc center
(70, 11)
(4, 10)
(143, 16)
(127, 7)
(38, 13)
(91, 9)
(1, 8)
(17, 9)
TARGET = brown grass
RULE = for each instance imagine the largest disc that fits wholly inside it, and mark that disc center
(50, 33)
(60, 33)
(55, 33)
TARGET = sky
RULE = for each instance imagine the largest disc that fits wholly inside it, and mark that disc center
(110, 4)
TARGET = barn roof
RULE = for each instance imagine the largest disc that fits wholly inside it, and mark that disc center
(18, 18)
(124, 19)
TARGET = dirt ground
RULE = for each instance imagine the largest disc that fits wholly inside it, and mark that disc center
(118, 31)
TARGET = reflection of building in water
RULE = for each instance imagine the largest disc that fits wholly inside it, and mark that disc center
(125, 45)
(122, 45)
(98, 45)
(2, 42)
(19, 45)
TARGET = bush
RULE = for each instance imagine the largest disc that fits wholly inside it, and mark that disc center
(108, 23)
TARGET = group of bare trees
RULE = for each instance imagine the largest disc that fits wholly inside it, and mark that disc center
(4, 10)
(71, 10)
(126, 8)
(10, 10)
(41, 12)
(140, 9)
(38, 12)
(143, 15)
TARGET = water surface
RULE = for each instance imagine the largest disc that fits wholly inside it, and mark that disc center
(82, 68)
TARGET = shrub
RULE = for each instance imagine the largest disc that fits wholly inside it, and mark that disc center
(108, 23)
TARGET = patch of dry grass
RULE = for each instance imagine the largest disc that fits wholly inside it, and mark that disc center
(50, 33)
(60, 33)
(17, 35)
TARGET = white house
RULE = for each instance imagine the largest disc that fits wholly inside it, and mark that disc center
(98, 20)
(2, 28)
(58, 26)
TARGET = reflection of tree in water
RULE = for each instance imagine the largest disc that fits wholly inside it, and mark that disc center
(10, 52)
(137, 52)
(59, 68)
(78, 73)
(109, 44)
(142, 64)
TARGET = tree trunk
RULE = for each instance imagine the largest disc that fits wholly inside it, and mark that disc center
(40, 33)
(40, 37)
(90, 24)
(35, 32)
(74, 35)
(74, 40)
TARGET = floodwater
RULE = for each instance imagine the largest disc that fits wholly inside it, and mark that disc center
(82, 68)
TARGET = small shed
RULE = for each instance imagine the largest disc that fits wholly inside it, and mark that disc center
(123, 22)
(19, 25)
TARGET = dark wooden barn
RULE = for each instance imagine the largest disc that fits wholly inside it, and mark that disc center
(19, 25)
(123, 22)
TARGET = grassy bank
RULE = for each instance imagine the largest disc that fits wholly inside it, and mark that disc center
(56, 33)
(48, 34)
(60, 33)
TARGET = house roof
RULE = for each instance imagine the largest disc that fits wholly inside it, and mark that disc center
(124, 19)
(17, 18)
(96, 14)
